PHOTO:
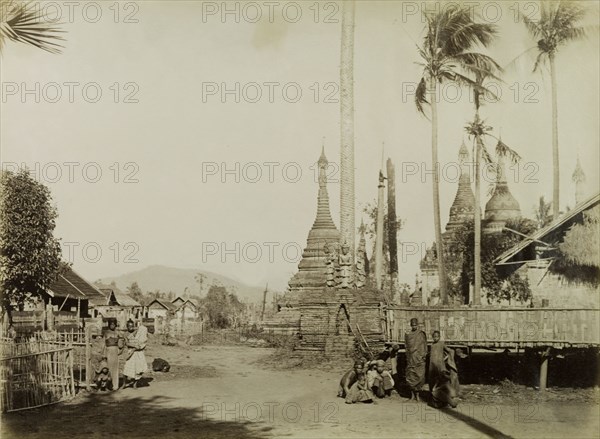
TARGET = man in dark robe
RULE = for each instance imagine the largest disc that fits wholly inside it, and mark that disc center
(443, 374)
(416, 353)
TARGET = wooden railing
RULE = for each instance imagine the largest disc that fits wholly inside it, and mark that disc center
(501, 327)
(35, 378)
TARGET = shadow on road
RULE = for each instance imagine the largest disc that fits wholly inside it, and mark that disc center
(477, 425)
(124, 416)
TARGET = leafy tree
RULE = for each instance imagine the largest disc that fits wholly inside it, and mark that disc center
(135, 292)
(30, 256)
(24, 22)
(497, 285)
(556, 26)
(222, 308)
(447, 55)
(578, 257)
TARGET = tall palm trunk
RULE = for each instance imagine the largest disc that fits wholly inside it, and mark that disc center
(555, 164)
(347, 229)
(436, 195)
(477, 218)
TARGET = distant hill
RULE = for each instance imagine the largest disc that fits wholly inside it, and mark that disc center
(177, 280)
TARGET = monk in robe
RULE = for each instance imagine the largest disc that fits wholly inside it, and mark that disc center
(349, 378)
(416, 353)
(443, 374)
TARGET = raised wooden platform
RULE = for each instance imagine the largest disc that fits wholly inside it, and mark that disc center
(501, 327)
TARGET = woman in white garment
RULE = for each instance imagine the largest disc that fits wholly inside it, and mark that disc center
(135, 365)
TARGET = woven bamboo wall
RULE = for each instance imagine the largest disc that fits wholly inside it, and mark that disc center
(503, 327)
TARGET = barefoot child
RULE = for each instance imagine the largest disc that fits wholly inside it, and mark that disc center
(102, 375)
(348, 379)
(359, 392)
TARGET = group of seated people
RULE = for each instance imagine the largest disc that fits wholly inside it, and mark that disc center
(366, 381)
(373, 379)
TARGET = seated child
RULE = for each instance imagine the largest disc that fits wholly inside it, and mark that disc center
(348, 379)
(102, 375)
(386, 377)
(374, 379)
(359, 392)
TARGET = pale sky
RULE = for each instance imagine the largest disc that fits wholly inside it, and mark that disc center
(161, 195)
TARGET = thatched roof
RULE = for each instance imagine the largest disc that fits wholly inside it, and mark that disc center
(71, 284)
(558, 227)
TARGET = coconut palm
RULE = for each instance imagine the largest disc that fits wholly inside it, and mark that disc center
(557, 25)
(484, 69)
(447, 55)
(24, 22)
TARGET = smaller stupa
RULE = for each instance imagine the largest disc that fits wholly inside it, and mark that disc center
(502, 206)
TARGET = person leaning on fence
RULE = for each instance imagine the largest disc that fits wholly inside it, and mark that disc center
(136, 364)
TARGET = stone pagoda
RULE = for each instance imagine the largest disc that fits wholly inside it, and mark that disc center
(461, 211)
(463, 207)
(502, 206)
(323, 240)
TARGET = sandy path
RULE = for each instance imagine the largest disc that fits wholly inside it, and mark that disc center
(215, 392)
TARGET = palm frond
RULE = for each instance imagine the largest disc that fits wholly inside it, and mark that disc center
(421, 96)
(25, 23)
(503, 150)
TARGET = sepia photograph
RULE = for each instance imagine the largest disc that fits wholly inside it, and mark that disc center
(299, 219)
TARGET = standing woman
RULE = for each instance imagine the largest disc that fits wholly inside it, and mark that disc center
(416, 353)
(111, 351)
(135, 365)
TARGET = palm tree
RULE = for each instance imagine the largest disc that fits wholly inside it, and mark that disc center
(24, 22)
(478, 131)
(484, 69)
(447, 56)
(558, 25)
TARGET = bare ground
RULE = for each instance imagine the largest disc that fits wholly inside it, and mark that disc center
(244, 392)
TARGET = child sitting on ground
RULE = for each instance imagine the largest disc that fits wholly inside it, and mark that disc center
(102, 375)
(374, 379)
(359, 392)
(349, 378)
(386, 376)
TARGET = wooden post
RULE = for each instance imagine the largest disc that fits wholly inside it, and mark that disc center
(88, 359)
(544, 369)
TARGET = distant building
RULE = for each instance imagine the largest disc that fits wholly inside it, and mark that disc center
(533, 257)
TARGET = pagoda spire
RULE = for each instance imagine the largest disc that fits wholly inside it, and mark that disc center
(323, 237)
(463, 207)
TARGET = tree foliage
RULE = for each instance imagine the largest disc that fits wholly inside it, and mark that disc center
(24, 22)
(136, 293)
(222, 308)
(497, 285)
(30, 255)
(578, 253)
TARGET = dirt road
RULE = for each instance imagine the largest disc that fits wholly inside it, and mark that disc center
(218, 392)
